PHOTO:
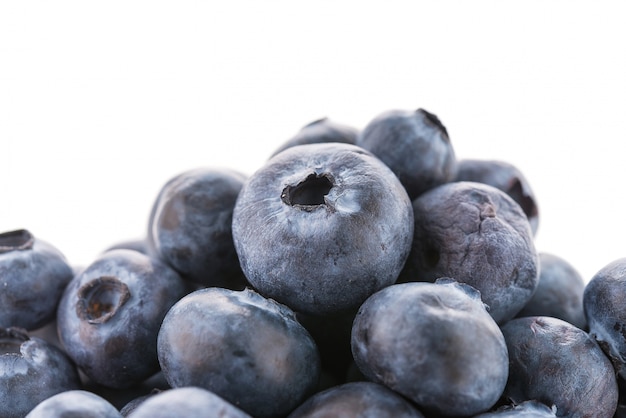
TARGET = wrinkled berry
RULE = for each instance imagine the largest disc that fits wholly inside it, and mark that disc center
(478, 235)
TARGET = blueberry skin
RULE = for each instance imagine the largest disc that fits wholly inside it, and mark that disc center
(245, 348)
(320, 131)
(321, 227)
(476, 234)
(74, 403)
(526, 409)
(190, 226)
(31, 370)
(357, 400)
(415, 145)
(557, 363)
(506, 177)
(110, 314)
(434, 343)
(188, 402)
(33, 275)
(559, 292)
(603, 304)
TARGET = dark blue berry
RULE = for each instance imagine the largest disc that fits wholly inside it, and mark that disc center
(557, 363)
(190, 226)
(110, 314)
(415, 145)
(31, 370)
(321, 227)
(245, 348)
(478, 235)
(33, 275)
(434, 343)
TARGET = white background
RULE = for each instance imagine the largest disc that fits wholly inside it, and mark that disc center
(102, 102)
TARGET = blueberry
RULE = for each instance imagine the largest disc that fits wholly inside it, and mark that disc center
(188, 402)
(415, 145)
(476, 234)
(321, 131)
(31, 370)
(245, 348)
(526, 409)
(110, 314)
(357, 400)
(603, 304)
(33, 275)
(506, 177)
(434, 343)
(559, 292)
(74, 403)
(190, 226)
(557, 363)
(321, 227)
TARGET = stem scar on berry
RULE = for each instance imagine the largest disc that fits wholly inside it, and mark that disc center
(20, 239)
(100, 299)
(310, 193)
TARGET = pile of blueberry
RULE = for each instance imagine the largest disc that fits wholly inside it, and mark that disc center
(357, 273)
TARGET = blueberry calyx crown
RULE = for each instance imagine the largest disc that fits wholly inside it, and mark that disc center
(11, 340)
(101, 298)
(254, 298)
(433, 119)
(525, 200)
(20, 239)
(310, 193)
(468, 289)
